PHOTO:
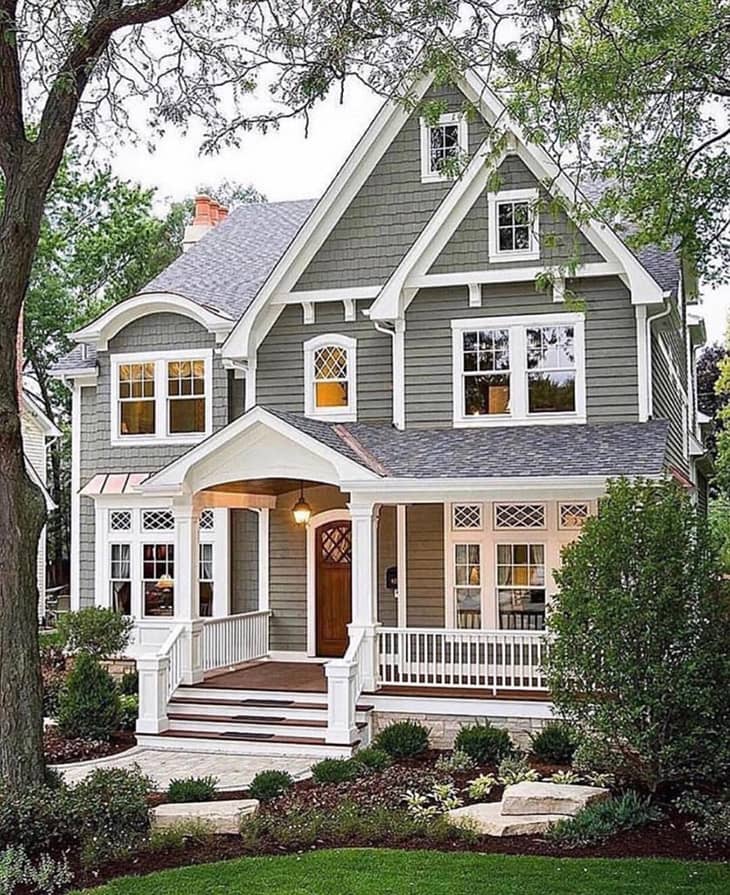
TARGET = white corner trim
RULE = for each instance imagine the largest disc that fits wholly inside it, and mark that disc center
(314, 523)
(642, 360)
(336, 414)
(496, 255)
(428, 175)
(105, 327)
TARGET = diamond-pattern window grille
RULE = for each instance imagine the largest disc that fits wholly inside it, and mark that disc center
(519, 515)
(120, 520)
(158, 520)
(336, 544)
(207, 520)
(573, 515)
(330, 363)
(466, 515)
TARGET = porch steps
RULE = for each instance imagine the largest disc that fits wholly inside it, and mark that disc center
(264, 708)
(244, 744)
(302, 727)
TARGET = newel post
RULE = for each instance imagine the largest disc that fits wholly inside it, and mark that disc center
(341, 702)
(153, 687)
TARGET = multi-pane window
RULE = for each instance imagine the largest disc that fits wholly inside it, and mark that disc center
(551, 369)
(136, 399)
(158, 576)
(331, 385)
(205, 574)
(186, 396)
(521, 585)
(468, 585)
(120, 578)
(513, 226)
(486, 372)
(443, 147)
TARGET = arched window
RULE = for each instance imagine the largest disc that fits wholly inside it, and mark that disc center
(329, 377)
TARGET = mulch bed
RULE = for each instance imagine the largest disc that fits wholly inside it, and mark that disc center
(58, 749)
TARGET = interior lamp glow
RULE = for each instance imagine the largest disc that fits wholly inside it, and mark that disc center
(165, 583)
(301, 510)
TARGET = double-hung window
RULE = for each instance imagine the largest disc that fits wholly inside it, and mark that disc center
(513, 225)
(120, 578)
(161, 397)
(521, 585)
(444, 145)
(468, 585)
(330, 366)
(519, 370)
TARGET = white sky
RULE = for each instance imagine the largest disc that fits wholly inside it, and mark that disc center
(284, 164)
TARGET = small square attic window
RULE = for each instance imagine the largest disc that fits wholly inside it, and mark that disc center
(443, 144)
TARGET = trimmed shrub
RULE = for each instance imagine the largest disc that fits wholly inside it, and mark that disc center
(129, 683)
(403, 739)
(372, 759)
(129, 712)
(335, 770)
(89, 705)
(556, 742)
(39, 820)
(484, 743)
(267, 785)
(99, 632)
(192, 789)
(602, 820)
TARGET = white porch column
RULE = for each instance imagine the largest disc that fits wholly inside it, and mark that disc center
(364, 520)
(187, 585)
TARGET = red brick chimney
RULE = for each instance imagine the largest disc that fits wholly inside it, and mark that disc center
(208, 214)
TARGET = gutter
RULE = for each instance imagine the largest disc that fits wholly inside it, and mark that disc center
(649, 372)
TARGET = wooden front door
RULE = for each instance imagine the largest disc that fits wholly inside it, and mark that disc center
(333, 546)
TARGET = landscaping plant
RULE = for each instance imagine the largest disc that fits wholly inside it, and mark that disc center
(99, 632)
(483, 742)
(372, 759)
(192, 789)
(335, 770)
(514, 769)
(639, 656)
(44, 876)
(89, 706)
(455, 762)
(601, 820)
(403, 739)
(268, 785)
(129, 683)
(480, 787)
(128, 712)
(711, 823)
(556, 742)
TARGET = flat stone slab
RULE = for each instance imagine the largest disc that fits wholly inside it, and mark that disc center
(222, 817)
(487, 818)
(550, 798)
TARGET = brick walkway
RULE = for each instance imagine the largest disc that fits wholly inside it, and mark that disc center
(232, 771)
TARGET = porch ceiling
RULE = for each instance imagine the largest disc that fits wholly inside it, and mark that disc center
(272, 486)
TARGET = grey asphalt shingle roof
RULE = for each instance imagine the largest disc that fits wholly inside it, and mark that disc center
(76, 360)
(603, 449)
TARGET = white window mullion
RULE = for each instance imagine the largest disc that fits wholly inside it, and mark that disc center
(518, 342)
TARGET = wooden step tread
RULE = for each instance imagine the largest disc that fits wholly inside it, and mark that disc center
(263, 703)
(256, 719)
(250, 737)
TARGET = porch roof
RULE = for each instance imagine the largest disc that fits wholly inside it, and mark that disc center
(592, 449)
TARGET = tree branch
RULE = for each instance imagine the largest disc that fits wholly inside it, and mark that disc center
(12, 128)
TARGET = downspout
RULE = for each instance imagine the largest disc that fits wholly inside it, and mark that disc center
(649, 365)
(398, 360)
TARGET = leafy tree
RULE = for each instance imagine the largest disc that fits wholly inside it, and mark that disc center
(639, 660)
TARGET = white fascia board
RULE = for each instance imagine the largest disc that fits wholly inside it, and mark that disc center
(508, 275)
(352, 293)
(172, 477)
(241, 342)
(105, 327)
(45, 423)
(79, 376)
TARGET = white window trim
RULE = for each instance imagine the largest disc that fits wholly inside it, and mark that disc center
(339, 414)
(518, 415)
(427, 175)
(160, 359)
(531, 254)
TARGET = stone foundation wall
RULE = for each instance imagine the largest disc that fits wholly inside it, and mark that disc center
(444, 728)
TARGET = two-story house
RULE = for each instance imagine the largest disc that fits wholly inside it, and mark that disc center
(329, 457)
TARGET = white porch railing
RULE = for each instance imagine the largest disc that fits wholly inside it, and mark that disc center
(174, 650)
(234, 639)
(346, 679)
(487, 660)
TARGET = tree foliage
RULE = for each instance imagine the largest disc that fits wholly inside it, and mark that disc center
(639, 660)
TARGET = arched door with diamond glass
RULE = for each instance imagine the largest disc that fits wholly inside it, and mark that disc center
(333, 543)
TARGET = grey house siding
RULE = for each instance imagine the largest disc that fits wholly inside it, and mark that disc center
(243, 534)
(425, 565)
(667, 404)
(154, 332)
(389, 211)
(387, 603)
(560, 240)
(610, 349)
(280, 361)
(236, 396)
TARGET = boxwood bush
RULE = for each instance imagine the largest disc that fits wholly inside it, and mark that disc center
(556, 742)
(335, 770)
(192, 789)
(267, 785)
(484, 743)
(403, 739)
(372, 759)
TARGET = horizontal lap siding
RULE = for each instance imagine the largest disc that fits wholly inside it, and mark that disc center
(244, 560)
(468, 248)
(388, 212)
(611, 359)
(425, 562)
(667, 404)
(280, 363)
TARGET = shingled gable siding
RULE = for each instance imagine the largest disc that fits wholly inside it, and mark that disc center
(560, 241)
(389, 211)
(425, 564)
(155, 332)
(280, 363)
(244, 559)
(611, 360)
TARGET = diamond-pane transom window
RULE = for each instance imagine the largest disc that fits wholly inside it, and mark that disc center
(466, 515)
(158, 520)
(519, 515)
(207, 520)
(330, 376)
(573, 515)
(336, 544)
(120, 520)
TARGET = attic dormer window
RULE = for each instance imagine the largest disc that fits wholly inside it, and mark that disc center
(443, 144)
(329, 377)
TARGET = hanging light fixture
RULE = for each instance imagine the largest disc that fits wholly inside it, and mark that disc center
(301, 509)
(165, 582)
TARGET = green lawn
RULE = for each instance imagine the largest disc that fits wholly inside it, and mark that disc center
(380, 872)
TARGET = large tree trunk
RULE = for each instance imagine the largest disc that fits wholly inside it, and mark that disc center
(22, 509)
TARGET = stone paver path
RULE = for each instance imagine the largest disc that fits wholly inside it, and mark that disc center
(232, 771)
